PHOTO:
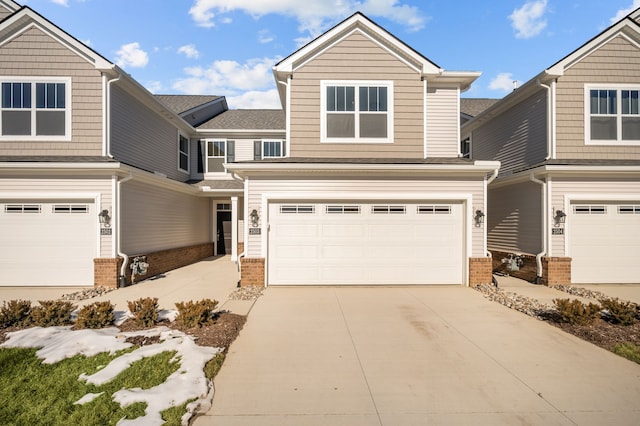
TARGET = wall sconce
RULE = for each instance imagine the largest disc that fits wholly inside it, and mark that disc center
(559, 218)
(255, 218)
(478, 218)
(104, 218)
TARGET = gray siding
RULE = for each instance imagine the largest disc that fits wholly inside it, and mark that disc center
(142, 138)
(616, 62)
(514, 221)
(155, 218)
(517, 137)
(34, 54)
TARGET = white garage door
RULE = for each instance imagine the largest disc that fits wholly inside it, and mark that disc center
(365, 243)
(47, 243)
(604, 242)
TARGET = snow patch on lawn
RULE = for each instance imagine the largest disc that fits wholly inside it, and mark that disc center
(188, 382)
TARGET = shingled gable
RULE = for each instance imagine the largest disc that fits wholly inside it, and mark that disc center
(9, 5)
(362, 24)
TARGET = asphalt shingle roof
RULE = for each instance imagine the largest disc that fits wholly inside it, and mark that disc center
(181, 103)
(250, 119)
(474, 106)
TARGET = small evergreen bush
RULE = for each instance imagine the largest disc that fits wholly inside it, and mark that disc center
(195, 314)
(15, 313)
(96, 315)
(145, 311)
(575, 312)
(619, 312)
(52, 313)
(628, 350)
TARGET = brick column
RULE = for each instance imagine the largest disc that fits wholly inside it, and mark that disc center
(251, 272)
(480, 269)
(106, 272)
(556, 271)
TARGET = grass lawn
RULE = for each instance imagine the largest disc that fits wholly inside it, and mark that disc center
(34, 393)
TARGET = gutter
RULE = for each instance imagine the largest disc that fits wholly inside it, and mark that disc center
(545, 240)
(123, 268)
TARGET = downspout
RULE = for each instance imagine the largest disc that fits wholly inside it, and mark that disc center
(545, 241)
(108, 115)
(551, 143)
(287, 86)
(123, 268)
(244, 232)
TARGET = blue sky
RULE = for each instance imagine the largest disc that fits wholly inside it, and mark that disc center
(227, 47)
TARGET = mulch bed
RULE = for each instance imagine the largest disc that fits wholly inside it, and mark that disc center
(603, 333)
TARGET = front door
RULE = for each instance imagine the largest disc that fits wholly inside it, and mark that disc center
(223, 238)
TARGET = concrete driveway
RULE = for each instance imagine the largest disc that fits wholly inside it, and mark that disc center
(413, 356)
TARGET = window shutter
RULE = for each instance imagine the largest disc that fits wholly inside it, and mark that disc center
(257, 150)
(284, 147)
(231, 151)
(201, 156)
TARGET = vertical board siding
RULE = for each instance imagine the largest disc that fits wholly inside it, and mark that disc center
(56, 185)
(142, 138)
(35, 54)
(357, 58)
(513, 219)
(609, 188)
(517, 137)
(442, 122)
(616, 62)
(394, 188)
(155, 218)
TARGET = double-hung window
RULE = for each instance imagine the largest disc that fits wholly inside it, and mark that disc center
(613, 114)
(357, 111)
(218, 153)
(268, 148)
(35, 109)
(183, 153)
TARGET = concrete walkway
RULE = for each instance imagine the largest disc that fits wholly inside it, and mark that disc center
(413, 355)
(212, 278)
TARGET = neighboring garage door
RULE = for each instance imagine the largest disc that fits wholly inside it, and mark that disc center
(604, 242)
(47, 243)
(365, 243)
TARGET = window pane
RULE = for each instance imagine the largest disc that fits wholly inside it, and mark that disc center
(60, 95)
(41, 95)
(16, 123)
(364, 98)
(272, 149)
(373, 99)
(630, 102)
(214, 165)
(603, 128)
(51, 95)
(382, 99)
(6, 95)
(373, 125)
(350, 99)
(50, 123)
(631, 128)
(341, 126)
(331, 98)
(340, 99)
(215, 149)
(184, 145)
(594, 101)
(184, 162)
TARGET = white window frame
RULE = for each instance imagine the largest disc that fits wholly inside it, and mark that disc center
(33, 81)
(587, 114)
(356, 84)
(269, 141)
(207, 157)
(181, 153)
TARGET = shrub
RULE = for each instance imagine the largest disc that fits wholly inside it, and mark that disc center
(51, 313)
(576, 312)
(195, 314)
(145, 311)
(96, 315)
(628, 350)
(619, 312)
(213, 366)
(15, 313)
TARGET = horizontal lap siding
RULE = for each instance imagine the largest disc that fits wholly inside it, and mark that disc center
(155, 218)
(56, 185)
(35, 54)
(609, 188)
(616, 62)
(513, 219)
(142, 138)
(517, 137)
(393, 188)
(356, 58)
(442, 122)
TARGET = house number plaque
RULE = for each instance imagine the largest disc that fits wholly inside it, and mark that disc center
(254, 231)
(557, 231)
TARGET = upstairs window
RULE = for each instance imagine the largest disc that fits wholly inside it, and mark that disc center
(268, 148)
(183, 153)
(35, 109)
(218, 153)
(357, 111)
(613, 115)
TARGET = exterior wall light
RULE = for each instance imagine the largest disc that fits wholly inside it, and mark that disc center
(478, 218)
(255, 218)
(104, 218)
(559, 218)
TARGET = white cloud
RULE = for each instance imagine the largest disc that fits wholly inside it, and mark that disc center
(131, 55)
(265, 36)
(154, 86)
(504, 82)
(64, 3)
(254, 99)
(314, 17)
(250, 83)
(528, 21)
(189, 51)
(624, 12)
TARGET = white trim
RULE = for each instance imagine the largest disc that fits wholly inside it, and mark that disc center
(265, 140)
(549, 212)
(188, 153)
(425, 117)
(618, 87)
(68, 109)
(114, 181)
(356, 85)
(287, 115)
(554, 116)
(234, 228)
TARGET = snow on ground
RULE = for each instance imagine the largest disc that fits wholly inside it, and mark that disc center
(188, 382)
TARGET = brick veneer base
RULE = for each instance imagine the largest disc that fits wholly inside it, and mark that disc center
(479, 271)
(251, 272)
(556, 271)
(107, 271)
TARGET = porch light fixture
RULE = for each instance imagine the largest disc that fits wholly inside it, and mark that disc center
(559, 218)
(104, 218)
(478, 218)
(255, 218)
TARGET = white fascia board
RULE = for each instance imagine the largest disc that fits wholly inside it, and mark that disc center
(566, 170)
(462, 79)
(14, 165)
(10, 5)
(204, 132)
